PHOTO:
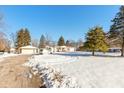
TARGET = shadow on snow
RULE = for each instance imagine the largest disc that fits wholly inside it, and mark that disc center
(86, 54)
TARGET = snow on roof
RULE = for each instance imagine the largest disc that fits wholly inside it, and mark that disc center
(61, 46)
(29, 46)
(12, 48)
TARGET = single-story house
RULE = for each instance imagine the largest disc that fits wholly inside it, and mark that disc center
(61, 48)
(44, 51)
(12, 50)
(64, 49)
(114, 49)
(49, 50)
(71, 49)
(28, 50)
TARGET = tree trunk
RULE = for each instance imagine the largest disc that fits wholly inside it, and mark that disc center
(122, 49)
(93, 53)
(122, 54)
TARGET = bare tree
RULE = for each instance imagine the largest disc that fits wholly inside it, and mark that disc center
(2, 38)
(13, 39)
(1, 22)
(7, 45)
(80, 42)
(4, 42)
(35, 42)
(48, 39)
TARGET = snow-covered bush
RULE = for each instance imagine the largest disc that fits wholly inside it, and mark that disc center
(52, 78)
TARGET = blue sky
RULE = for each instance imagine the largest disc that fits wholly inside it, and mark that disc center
(72, 22)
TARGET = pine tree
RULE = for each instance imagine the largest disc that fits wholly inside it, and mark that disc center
(23, 38)
(67, 43)
(61, 41)
(27, 38)
(95, 40)
(19, 39)
(42, 43)
(117, 29)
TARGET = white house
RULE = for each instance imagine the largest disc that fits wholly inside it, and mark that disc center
(44, 51)
(63, 49)
(47, 50)
(71, 49)
(28, 50)
(12, 50)
(114, 49)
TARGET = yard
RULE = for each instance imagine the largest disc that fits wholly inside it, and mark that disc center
(104, 70)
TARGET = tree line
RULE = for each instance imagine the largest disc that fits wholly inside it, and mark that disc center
(95, 40)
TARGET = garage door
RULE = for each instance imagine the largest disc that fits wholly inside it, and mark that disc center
(27, 51)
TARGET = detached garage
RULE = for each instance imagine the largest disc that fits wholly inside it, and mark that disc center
(28, 50)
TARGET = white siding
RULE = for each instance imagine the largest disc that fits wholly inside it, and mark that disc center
(29, 51)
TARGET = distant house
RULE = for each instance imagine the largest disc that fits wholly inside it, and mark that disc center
(64, 49)
(12, 50)
(61, 48)
(114, 49)
(46, 50)
(71, 49)
(28, 50)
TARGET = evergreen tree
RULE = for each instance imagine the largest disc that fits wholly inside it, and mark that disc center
(19, 39)
(95, 40)
(61, 41)
(23, 38)
(117, 29)
(42, 43)
(27, 38)
(67, 43)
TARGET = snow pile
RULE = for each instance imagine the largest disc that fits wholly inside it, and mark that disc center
(52, 77)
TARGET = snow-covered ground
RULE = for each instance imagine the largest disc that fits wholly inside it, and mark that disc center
(102, 71)
(2, 56)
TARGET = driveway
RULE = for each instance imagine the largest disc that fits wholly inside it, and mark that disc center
(14, 75)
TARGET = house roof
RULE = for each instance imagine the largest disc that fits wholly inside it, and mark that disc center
(12, 48)
(29, 46)
(65, 46)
